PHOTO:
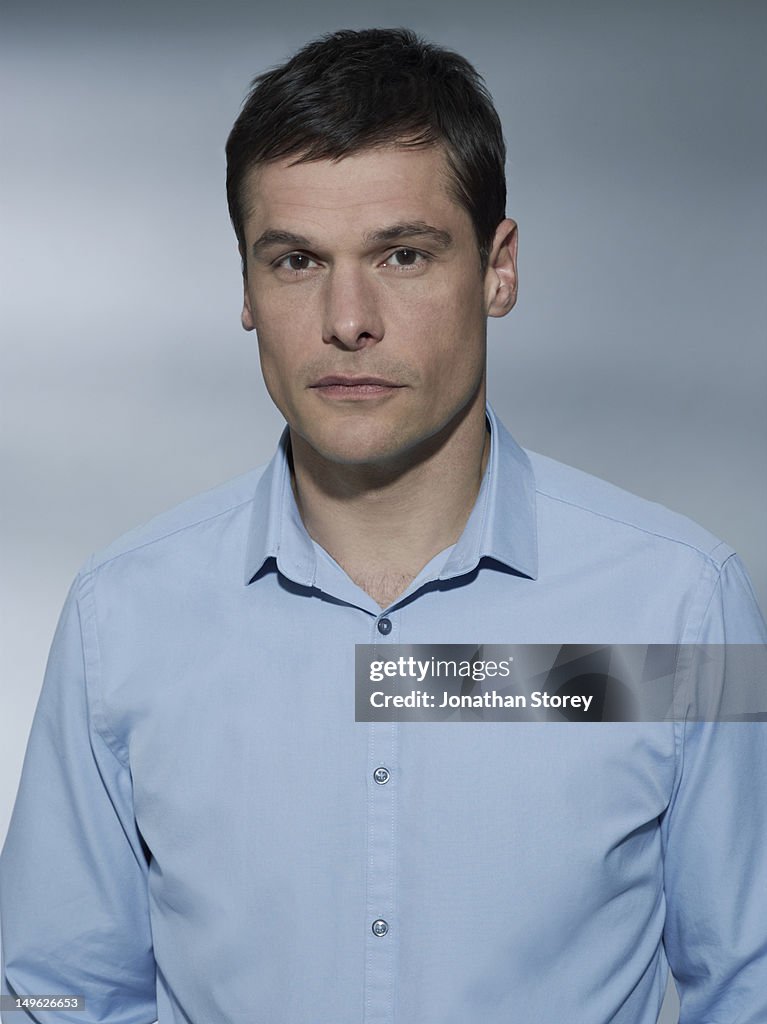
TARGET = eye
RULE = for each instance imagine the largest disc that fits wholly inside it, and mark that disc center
(406, 258)
(295, 261)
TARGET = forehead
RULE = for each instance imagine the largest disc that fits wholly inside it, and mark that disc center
(364, 190)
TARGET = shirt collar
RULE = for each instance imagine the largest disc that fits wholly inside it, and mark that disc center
(502, 524)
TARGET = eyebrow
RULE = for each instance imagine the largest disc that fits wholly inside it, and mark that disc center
(412, 229)
(439, 238)
(275, 237)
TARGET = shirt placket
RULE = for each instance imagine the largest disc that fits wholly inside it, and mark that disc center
(381, 912)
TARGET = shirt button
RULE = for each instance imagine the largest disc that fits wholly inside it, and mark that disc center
(384, 626)
(381, 775)
(380, 928)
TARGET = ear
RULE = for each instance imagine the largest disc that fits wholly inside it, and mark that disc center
(501, 273)
(246, 317)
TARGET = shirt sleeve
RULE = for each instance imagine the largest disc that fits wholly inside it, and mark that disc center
(73, 871)
(715, 837)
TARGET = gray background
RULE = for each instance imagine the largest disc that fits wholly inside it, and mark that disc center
(637, 350)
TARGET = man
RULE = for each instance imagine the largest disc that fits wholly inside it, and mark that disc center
(203, 832)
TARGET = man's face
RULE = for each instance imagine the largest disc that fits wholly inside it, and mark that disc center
(365, 289)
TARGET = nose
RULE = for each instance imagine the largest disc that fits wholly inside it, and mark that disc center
(351, 316)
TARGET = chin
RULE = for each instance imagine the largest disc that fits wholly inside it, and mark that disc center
(357, 444)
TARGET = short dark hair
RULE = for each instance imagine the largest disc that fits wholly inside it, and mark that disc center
(350, 90)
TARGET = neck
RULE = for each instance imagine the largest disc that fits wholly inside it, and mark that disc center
(382, 524)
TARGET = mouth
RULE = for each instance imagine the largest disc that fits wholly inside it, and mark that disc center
(337, 387)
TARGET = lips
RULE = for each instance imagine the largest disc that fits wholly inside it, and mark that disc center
(337, 380)
(336, 387)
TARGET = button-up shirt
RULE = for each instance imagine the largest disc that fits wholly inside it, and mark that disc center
(203, 832)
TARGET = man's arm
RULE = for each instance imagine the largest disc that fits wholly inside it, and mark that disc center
(715, 836)
(73, 873)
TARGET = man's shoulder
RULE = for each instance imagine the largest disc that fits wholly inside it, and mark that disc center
(206, 514)
(569, 494)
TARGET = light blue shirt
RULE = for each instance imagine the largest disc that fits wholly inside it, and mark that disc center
(199, 835)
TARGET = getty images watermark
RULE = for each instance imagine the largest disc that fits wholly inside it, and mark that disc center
(561, 682)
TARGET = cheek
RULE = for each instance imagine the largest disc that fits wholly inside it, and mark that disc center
(447, 329)
(273, 304)
(279, 327)
(277, 365)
